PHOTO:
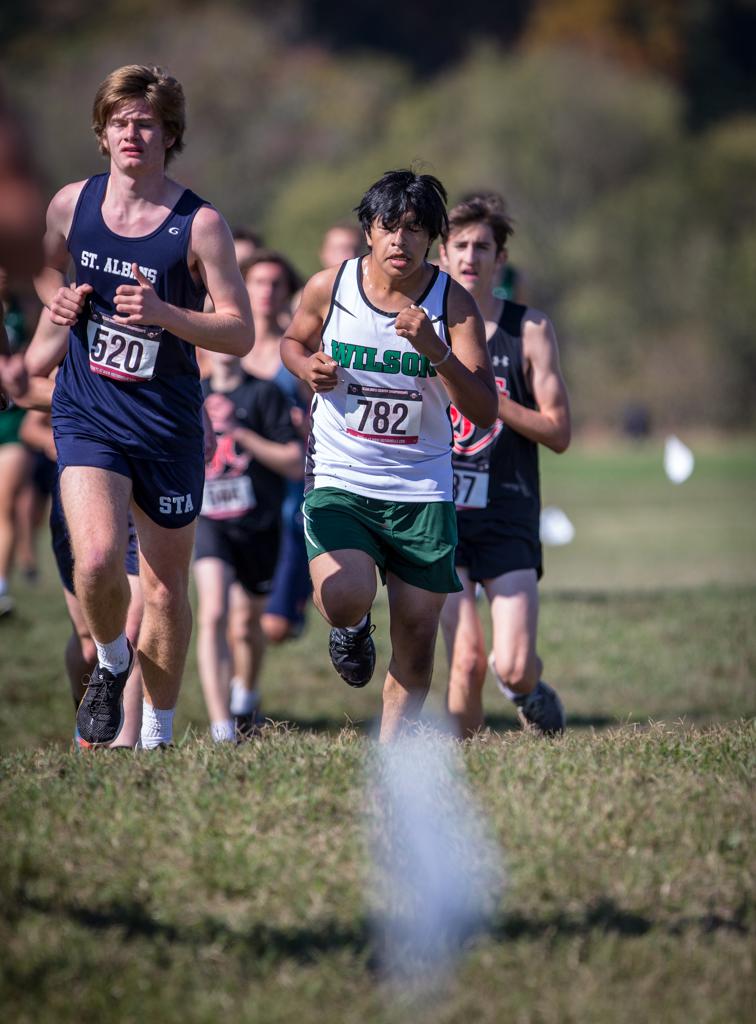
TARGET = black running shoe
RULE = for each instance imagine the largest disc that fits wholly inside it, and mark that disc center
(247, 726)
(541, 711)
(353, 654)
(100, 715)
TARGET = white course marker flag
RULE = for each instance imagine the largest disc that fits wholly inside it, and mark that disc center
(678, 460)
(556, 528)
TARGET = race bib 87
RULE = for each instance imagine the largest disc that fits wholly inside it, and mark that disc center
(123, 353)
(470, 487)
(388, 415)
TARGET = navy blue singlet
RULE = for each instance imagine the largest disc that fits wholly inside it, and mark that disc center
(135, 387)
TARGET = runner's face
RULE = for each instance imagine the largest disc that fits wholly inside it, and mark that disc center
(470, 257)
(134, 137)
(400, 252)
(268, 289)
(339, 244)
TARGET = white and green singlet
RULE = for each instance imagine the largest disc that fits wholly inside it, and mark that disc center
(385, 430)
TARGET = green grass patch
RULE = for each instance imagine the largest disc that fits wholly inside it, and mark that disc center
(202, 883)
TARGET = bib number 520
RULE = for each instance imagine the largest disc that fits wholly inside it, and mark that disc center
(122, 353)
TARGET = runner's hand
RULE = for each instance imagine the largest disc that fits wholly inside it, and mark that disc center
(138, 303)
(67, 304)
(321, 372)
(413, 324)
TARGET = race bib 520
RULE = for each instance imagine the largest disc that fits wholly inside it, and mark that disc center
(387, 415)
(123, 353)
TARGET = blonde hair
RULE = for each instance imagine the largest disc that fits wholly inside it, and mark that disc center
(142, 81)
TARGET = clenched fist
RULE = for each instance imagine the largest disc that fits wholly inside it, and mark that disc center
(413, 324)
(138, 303)
(67, 304)
(321, 372)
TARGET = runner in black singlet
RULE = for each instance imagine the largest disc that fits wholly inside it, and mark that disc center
(497, 490)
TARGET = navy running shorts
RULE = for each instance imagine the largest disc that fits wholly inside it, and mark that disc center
(168, 491)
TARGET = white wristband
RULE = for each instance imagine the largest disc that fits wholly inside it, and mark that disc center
(443, 358)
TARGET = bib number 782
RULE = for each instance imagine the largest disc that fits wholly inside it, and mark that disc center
(387, 415)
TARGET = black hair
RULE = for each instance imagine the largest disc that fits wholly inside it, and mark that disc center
(398, 192)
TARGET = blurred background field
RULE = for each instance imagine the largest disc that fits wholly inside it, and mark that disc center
(623, 135)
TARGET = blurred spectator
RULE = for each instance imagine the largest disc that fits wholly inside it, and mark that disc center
(341, 242)
(636, 421)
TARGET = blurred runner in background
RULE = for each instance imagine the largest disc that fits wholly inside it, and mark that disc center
(496, 483)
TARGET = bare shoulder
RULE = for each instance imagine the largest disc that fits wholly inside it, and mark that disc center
(209, 226)
(537, 332)
(316, 294)
(460, 304)
(62, 205)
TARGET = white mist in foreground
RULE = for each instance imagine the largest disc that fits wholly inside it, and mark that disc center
(678, 460)
(438, 875)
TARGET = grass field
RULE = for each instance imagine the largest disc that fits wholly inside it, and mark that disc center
(202, 884)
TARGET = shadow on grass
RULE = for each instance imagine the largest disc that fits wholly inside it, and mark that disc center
(504, 723)
(306, 944)
(369, 727)
(324, 723)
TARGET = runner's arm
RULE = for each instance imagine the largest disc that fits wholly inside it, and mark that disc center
(44, 353)
(65, 301)
(283, 458)
(229, 327)
(36, 432)
(549, 423)
(301, 346)
(467, 372)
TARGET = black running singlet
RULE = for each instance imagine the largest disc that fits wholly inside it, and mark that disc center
(497, 465)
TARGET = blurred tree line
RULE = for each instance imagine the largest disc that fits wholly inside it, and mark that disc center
(630, 178)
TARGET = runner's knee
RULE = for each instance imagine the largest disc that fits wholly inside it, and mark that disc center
(165, 597)
(276, 628)
(342, 602)
(515, 668)
(98, 566)
(468, 661)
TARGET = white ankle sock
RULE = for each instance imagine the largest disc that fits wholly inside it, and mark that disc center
(243, 701)
(223, 732)
(360, 625)
(157, 726)
(115, 655)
